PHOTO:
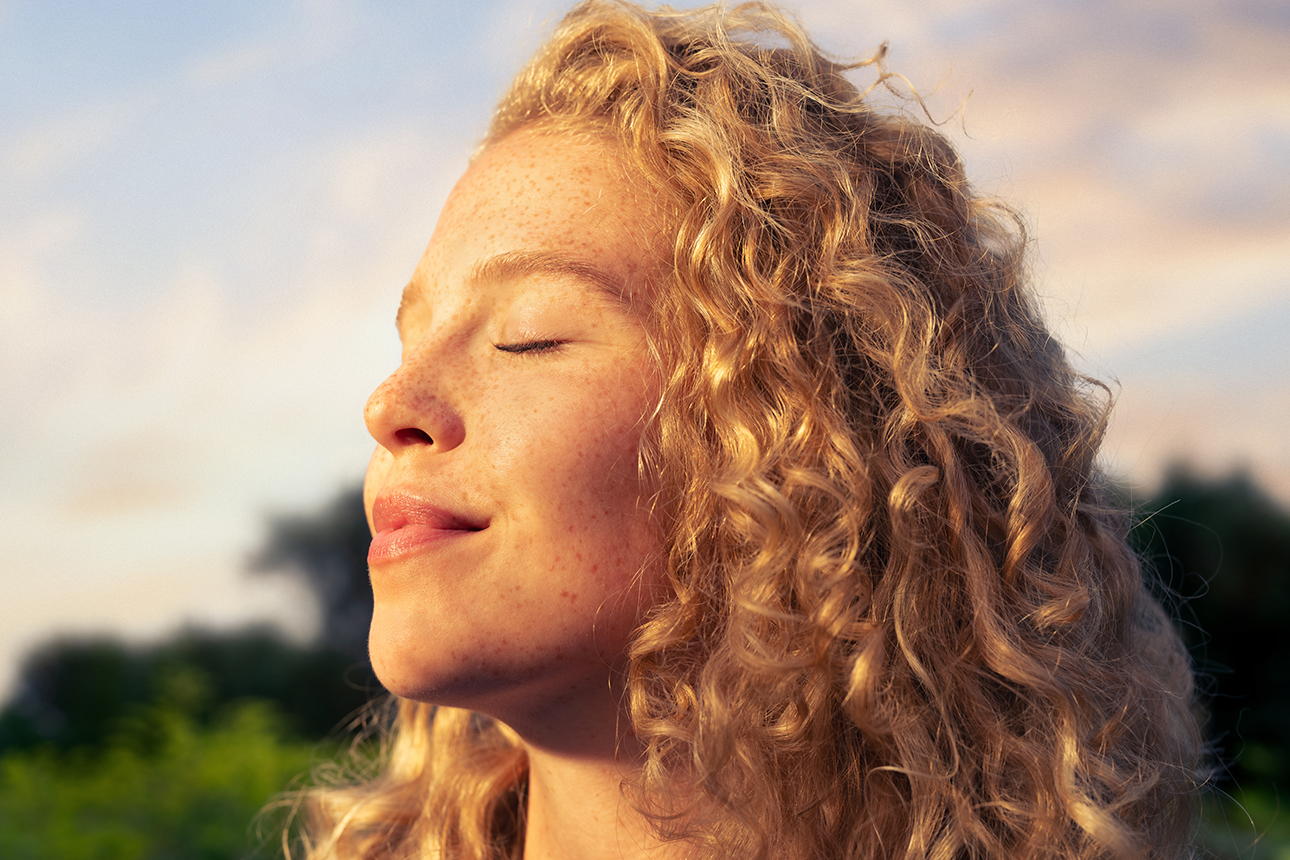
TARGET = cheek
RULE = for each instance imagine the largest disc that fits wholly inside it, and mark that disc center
(572, 467)
(597, 464)
(611, 454)
(605, 502)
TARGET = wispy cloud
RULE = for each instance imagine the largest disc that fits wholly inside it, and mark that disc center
(40, 151)
(313, 31)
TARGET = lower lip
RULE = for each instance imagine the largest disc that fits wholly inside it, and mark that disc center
(394, 543)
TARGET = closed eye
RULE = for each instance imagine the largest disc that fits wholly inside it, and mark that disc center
(530, 346)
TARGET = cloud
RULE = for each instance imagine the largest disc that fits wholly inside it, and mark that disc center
(1133, 268)
(350, 215)
(235, 63)
(25, 247)
(1146, 143)
(512, 31)
(316, 30)
(60, 141)
(1212, 393)
(1155, 425)
(128, 475)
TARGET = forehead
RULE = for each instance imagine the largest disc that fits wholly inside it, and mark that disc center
(551, 195)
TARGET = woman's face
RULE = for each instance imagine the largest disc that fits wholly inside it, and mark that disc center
(505, 498)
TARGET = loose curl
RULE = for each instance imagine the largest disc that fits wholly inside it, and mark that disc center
(905, 621)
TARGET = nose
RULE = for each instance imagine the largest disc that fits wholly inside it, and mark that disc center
(406, 411)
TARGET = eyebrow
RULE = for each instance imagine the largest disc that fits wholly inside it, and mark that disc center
(510, 265)
(518, 264)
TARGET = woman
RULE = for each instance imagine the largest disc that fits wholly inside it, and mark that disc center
(732, 498)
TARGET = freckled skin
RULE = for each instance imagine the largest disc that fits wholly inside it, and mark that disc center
(532, 612)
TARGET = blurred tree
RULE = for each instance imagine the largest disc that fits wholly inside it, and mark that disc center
(74, 693)
(70, 694)
(77, 693)
(1220, 551)
(328, 550)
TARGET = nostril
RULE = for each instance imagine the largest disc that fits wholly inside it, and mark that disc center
(413, 436)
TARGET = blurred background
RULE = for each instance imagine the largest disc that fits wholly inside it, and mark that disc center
(208, 211)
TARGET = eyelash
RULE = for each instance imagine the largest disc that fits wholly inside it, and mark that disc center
(529, 346)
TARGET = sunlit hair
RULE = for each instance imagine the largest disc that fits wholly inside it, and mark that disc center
(906, 622)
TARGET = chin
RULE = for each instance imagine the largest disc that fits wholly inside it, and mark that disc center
(437, 674)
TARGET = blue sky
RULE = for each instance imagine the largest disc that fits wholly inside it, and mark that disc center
(207, 211)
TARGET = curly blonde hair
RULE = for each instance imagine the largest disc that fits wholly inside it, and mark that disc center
(905, 621)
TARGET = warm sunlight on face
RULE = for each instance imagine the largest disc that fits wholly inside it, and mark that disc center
(505, 497)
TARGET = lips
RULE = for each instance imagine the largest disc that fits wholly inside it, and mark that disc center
(405, 523)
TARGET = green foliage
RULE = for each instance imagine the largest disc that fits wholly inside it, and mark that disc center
(163, 785)
(1248, 825)
(1220, 555)
(73, 693)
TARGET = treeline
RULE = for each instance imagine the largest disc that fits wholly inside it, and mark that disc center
(73, 692)
(114, 752)
(1219, 552)
(170, 750)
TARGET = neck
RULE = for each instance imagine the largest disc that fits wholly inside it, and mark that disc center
(581, 753)
(578, 810)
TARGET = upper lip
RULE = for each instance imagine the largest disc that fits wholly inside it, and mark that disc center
(395, 509)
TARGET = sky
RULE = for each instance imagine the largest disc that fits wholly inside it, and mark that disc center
(208, 211)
